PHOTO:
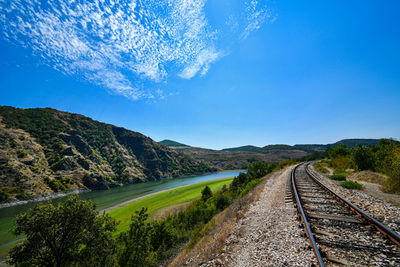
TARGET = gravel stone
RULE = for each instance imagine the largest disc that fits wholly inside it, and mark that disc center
(269, 234)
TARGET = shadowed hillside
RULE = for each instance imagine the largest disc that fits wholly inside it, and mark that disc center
(45, 150)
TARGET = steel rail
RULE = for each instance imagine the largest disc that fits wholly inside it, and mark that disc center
(381, 228)
(305, 221)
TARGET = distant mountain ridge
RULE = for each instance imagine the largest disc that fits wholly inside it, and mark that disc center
(306, 147)
(44, 150)
(167, 142)
(240, 157)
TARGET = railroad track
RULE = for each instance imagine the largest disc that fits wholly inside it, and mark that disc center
(339, 232)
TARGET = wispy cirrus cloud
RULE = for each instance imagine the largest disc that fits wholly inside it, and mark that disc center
(115, 43)
(256, 16)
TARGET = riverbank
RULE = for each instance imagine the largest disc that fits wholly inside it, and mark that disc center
(16, 202)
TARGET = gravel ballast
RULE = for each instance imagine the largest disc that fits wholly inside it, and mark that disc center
(383, 211)
(269, 234)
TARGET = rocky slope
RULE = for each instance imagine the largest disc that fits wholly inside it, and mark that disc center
(46, 150)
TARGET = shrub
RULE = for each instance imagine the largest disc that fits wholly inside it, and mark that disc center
(338, 177)
(22, 196)
(54, 184)
(4, 195)
(342, 162)
(222, 201)
(339, 171)
(206, 193)
(21, 154)
(351, 185)
(69, 234)
(363, 158)
(392, 184)
(318, 166)
(250, 186)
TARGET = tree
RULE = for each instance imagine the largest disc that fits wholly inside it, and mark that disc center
(67, 234)
(363, 158)
(136, 242)
(259, 169)
(393, 182)
(336, 151)
(206, 193)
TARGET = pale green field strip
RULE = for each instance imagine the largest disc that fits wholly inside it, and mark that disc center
(162, 200)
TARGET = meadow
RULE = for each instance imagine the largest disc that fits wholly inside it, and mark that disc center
(162, 200)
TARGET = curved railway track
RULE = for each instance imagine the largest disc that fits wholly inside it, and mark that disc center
(340, 233)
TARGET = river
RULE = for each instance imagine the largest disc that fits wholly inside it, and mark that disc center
(104, 199)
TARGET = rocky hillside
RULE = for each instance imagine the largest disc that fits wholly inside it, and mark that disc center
(45, 150)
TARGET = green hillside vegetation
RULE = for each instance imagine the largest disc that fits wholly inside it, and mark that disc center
(350, 143)
(305, 147)
(311, 147)
(244, 148)
(383, 158)
(45, 150)
(255, 149)
(171, 143)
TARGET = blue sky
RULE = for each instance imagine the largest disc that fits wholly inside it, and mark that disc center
(209, 73)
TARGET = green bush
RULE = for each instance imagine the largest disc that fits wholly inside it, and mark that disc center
(363, 157)
(71, 233)
(351, 185)
(54, 184)
(250, 186)
(4, 195)
(339, 171)
(206, 193)
(338, 177)
(22, 196)
(392, 184)
(319, 167)
(21, 154)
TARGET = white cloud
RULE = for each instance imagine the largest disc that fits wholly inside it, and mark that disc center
(116, 43)
(200, 64)
(256, 17)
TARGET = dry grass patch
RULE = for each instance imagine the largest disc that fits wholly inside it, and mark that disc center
(370, 177)
(164, 212)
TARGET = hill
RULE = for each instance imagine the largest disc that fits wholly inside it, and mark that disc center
(240, 157)
(167, 142)
(305, 147)
(353, 142)
(44, 150)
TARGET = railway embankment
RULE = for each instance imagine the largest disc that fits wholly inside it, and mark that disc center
(268, 234)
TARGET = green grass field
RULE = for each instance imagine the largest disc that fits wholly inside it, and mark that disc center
(162, 200)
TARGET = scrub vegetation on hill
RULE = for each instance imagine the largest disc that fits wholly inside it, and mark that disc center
(43, 150)
(88, 235)
(383, 158)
